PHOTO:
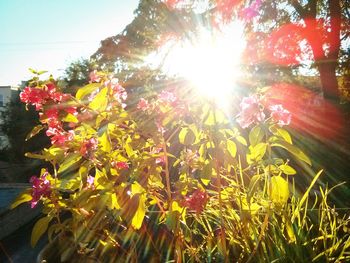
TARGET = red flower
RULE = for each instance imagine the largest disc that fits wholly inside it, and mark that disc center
(120, 165)
(143, 105)
(58, 136)
(34, 96)
(280, 115)
(88, 146)
(197, 201)
(251, 112)
(41, 187)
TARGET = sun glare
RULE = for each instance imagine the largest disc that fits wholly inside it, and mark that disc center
(211, 62)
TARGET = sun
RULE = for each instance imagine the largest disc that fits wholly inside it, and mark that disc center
(210, 62)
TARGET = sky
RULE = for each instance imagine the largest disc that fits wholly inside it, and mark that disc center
(49, 34)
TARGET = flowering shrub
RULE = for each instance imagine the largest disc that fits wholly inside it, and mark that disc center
(169, 178)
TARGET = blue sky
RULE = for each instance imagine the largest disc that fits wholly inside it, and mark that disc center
(49, 34)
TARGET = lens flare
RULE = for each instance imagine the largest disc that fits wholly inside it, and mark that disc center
(210, 62)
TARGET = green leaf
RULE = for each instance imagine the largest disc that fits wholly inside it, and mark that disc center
(39, 229)
(286, 169)
(140, 212)
(279, 190)
(256, 135)
(23, 197)
(35, 156)
(253, 186)
(34, 131)
(99, 103)
(70, 162)
(87, 90)
(186, 136)
(293, 150)
(232, 148)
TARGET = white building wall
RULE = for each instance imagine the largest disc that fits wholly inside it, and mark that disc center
(5, 98)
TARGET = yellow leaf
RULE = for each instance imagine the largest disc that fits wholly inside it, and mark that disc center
(140, 212)
(100, 179)
(105, 143)
(99, 103)
(86, 90)
(25, 196)
(186, 136)
(70, 118)
(232, 149)
(279, 190)
(39, 229)
(136, 188)
(286, 169)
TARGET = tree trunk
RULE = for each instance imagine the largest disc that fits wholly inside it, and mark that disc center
(329, 80)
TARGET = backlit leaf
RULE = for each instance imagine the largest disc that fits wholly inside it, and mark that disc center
(140, 212)
(232, 148)
(279, 190)
(86, 90)
(34, 131)
(293, 150)
(70, 118)
(99, 103)
(186, 136)
(256, 135)
(105, 143)
(70, 162)
(23, 197)
(286, 169)
(39, 229)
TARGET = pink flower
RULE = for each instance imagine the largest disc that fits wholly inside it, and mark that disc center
(167, 97)
(118, 91)
(143, 105)
(94, 76)
(251, 11)
(251, 112)
(280, 115)
(90, 182)
(41, 187)
(161, 160)
(197, 201)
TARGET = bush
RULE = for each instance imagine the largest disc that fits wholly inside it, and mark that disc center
(173, 178)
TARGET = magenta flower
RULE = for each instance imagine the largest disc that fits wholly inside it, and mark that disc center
(251, 112)
(280, 115)
(41, 187)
